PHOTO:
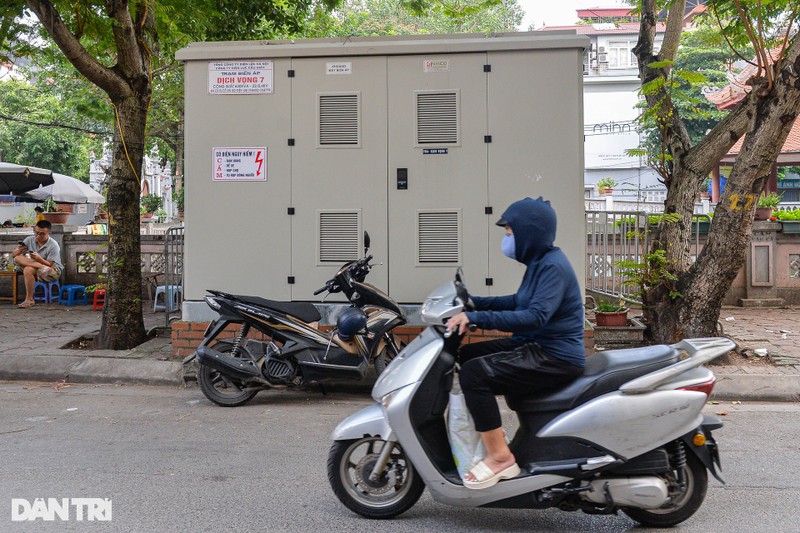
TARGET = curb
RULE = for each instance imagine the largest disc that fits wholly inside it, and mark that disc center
(757, 387)
(133, 371)
(91, 370)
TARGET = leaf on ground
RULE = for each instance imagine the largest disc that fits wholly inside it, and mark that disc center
(722, 413)
(58, 385)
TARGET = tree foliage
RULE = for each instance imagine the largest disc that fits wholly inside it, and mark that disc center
(707, 56)
(359, 18)
(38, 128)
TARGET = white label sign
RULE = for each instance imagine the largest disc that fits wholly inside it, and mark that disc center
(240, 164)
(436, 65)
(240, 77)
(338, 68)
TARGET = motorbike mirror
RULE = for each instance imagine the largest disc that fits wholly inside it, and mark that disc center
(366, 242)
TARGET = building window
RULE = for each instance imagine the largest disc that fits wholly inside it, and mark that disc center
(620, 55)
(658, 195)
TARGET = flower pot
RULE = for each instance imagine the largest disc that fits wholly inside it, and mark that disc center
(763, 213)
(618, 319)
(606, 192)
(147, 216)
(701, 226)
(790, 226)
(57, 217)
(65, 208)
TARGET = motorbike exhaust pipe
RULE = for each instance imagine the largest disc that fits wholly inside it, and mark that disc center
(243, 369)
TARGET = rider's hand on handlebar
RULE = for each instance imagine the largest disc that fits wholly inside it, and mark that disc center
(460, 323)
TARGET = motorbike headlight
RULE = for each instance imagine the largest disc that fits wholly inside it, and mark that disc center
(212, 303)
(429, 304)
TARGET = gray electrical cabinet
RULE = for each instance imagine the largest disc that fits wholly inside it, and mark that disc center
(294, 148)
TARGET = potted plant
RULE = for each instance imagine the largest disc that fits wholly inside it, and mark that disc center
(52, 214)
(790, 220)
(102, 212)
(701, 224)
(606, 186)
(150, 203)
(611, 314)
(63, 207)
(24, 219)
(766, 204)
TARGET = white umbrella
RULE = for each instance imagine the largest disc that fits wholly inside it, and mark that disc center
(68, 189)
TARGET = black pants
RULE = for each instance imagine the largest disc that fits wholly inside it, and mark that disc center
(507, 366)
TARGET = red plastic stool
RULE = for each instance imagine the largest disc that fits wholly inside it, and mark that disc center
(99, 300)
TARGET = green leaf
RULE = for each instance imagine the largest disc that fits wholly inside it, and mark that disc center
(655, 65)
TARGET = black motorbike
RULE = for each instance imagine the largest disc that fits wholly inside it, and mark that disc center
(289, 349)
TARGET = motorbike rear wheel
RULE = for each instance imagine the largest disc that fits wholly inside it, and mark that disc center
(684, 503)
(350, 463)
(220, 389)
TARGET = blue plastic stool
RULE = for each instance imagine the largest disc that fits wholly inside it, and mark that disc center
(51, 290)
(73, 294)
(169, 293)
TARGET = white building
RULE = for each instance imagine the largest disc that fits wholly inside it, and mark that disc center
(156, 178)
(610, 102)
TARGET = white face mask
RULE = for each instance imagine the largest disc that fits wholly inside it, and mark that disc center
(509, 246)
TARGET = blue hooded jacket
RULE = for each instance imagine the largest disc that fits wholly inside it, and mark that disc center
(548, 307)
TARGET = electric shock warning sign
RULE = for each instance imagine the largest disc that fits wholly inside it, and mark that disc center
(240, 77)
(240, 164)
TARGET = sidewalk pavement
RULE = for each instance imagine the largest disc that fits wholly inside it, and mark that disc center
(32, 348)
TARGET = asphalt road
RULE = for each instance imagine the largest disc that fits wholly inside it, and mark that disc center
(171, 461)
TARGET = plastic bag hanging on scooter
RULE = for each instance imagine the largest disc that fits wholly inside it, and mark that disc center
(465, 443)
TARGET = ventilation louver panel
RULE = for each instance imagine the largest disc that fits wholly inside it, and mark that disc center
(438, 237)
(339, 236)
(437, 118)
(339, 120)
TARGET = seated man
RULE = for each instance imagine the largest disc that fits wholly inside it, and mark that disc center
(38, 257)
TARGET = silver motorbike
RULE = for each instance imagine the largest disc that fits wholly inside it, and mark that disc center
(629, 435)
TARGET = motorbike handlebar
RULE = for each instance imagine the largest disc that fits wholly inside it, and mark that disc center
(449, 332)
(320, 290)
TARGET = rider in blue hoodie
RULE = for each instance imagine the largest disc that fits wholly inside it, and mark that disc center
(545, 350)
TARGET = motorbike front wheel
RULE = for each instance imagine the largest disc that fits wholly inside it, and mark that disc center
(397, 489)
(386, 356)
(684, 503)
(220, 389)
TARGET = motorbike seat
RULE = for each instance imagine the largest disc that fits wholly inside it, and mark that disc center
(605, 372)
(305, 311)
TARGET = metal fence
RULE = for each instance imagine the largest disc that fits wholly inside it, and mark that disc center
(615, 236)
(173, 272)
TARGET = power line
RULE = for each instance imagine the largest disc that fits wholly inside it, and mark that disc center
(50, 125)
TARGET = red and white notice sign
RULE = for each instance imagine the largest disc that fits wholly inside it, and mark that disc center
(240, 77)
(240, 164)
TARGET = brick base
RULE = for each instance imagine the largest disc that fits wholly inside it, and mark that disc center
(186, 336)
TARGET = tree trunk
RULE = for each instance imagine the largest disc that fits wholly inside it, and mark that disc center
(123, 324)
(129, 88)
(689, 306)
